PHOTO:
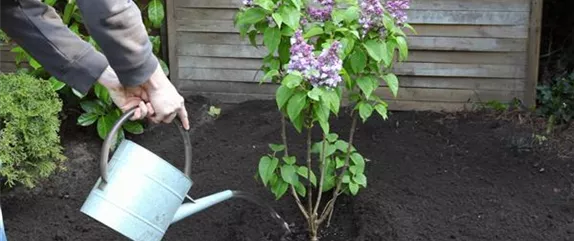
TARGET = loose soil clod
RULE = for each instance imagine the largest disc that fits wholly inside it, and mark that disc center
(430, 177)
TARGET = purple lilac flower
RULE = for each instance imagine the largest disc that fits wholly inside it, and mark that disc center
(329, 67)
(371, 14)
(321, 14)
(302, 58)
(248, 3)
(397, 9)
(319, 71)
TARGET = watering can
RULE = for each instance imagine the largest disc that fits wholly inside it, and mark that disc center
(139, 195)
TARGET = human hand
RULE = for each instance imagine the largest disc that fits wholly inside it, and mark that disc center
(126, 98)
(167, 103)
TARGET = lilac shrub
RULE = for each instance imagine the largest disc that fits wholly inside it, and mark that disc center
(317, 49)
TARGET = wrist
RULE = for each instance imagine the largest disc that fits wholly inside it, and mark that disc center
(155, 80)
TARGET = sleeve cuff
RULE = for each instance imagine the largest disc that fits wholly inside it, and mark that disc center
(138, 75)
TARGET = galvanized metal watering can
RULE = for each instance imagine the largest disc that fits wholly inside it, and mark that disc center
(141, 195)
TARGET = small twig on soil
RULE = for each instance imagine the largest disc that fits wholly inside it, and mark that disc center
(293, 192)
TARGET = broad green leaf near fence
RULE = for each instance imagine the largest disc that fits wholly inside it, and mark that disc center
(156, 13)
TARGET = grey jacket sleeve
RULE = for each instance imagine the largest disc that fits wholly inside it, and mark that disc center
(118, 28)
(38, 29)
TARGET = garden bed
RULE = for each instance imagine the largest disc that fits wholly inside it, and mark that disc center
(430, 177)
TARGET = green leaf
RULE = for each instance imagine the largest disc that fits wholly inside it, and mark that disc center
(87, 119)
(296, 3)
(351, 14)
(267, 166)
(300, 189)
(50, 2)
(284, 48)
(382, 110)
(393, 83)
(274, 64)
(358, 161)
(93, 106)
(360, 179)
(339, 162)
(105, 124)
(375, 49)
(290, 160)
(347, 78)
(56, 84)
(316, 30)
(367, 84)
(276, 147)
(265, 4)
(303, 171)
(408, 26)
(332, 100)
(388, 21)
(354, 188)
(35, 63)
(296, 104)
(68, 12)
(331, 137)
(253, 38)
(156, 13)
(358, 60)
(292, 80)
(269, 75)
(365, 110)
(346, 178)
(278, 19)
(298, 123)
(133, 127)
(251, 16)
(282, 96)
(342, 145)
(78, 94)
(279, 188)
(164, 66)
(403, 48)
(271, 39)
(290, 15)
(289, 174)
(322, 113)
(102, 93)
(315, 93)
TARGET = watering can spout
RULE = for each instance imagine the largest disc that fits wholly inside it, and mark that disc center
(190, 208)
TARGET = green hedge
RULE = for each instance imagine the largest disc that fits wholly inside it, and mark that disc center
(29, 140)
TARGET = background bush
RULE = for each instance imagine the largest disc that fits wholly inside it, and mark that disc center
(29, 140)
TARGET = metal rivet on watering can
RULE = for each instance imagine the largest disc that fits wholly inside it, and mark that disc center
(139, 194)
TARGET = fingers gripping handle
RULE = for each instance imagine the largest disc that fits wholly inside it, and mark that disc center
(109, 139)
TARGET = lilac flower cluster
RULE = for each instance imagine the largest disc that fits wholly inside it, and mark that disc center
(248, 3)
(322, 13)
(397, 9)
(321, 71)
(371, 14)
(329, 67)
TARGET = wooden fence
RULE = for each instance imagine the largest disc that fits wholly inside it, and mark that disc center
(466, 51)
(7, 59)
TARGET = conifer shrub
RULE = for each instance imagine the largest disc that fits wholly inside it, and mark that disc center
(30, 148)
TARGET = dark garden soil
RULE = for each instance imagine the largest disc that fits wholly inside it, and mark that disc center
(430, 177)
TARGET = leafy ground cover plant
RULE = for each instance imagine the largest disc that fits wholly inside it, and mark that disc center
(98, 108)
(319, 51)
(557, 101)
(29, 141)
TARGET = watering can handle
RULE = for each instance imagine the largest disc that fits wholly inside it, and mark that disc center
(107, 144)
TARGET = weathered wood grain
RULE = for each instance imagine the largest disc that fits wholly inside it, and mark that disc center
(533, 53)
(405, 93)
(204, 45)
(453, 5)
(405, 69)
(188, 15)
(414, 57)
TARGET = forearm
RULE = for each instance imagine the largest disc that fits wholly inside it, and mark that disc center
(118, 28)
(38, 29)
